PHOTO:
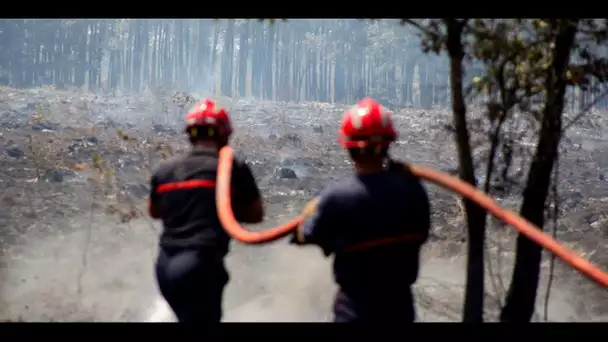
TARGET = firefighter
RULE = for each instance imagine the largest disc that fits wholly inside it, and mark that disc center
(374, 223)
(190, 268)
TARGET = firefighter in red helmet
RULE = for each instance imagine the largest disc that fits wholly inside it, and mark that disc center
(190, 267)
(374, 223)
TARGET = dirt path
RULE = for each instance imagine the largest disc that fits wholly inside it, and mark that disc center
(44, 281)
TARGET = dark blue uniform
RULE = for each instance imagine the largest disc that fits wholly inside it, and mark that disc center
(190, 268)
(374, 224)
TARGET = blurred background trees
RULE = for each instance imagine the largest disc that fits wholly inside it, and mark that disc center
(296, 60)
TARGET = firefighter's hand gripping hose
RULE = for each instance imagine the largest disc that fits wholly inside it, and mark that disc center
(236, 231)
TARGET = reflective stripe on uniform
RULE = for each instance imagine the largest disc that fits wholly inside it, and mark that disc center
(185, 185)
(384, 241)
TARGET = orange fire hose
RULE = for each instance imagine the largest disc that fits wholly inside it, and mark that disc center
(236, 231)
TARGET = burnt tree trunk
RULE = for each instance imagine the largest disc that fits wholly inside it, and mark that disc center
(476, 216)
(521, 297)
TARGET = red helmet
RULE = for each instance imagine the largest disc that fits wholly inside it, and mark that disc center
(207, 113)
(367, 123)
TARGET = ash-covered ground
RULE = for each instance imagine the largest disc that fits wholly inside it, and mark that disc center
(76, 245)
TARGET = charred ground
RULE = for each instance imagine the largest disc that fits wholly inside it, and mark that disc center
(76, 245)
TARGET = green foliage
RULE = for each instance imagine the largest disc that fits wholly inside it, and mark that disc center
(517, 55)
